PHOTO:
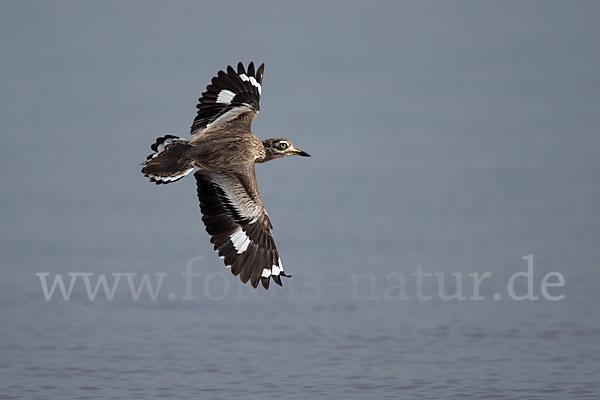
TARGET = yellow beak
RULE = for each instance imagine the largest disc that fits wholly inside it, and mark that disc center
(298, 152)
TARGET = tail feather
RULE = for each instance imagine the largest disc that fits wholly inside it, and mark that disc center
(170, 161)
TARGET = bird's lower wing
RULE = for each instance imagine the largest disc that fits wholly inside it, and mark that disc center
(239, 227)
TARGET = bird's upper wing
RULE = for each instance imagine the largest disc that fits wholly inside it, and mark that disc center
(231, 98)
(239, 226)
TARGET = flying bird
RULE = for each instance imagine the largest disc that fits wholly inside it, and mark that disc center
(223, 150)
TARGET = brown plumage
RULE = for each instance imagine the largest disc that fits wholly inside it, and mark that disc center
(224, 151)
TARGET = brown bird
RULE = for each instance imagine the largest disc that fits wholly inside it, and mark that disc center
(224, 151)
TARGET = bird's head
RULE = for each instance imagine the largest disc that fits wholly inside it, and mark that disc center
(279, 147)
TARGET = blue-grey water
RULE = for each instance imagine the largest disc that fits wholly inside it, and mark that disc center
(447, 137)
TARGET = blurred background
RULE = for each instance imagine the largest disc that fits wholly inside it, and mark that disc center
(456, 136)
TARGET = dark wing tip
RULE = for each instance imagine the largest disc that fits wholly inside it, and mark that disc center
(240, 68)
(265, 282)
(259, 73)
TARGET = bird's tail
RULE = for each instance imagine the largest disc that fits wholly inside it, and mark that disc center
(170, 160)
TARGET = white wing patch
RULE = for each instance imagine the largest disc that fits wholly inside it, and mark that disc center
(225, 96)
(253, 81)
(240, 241)
(275, 270)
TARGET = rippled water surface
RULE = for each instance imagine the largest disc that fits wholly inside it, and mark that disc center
(447, 138)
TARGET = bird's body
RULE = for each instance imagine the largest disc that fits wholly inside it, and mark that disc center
(228, 150)
(224, 152)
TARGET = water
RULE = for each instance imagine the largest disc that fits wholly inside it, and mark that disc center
(459, 137)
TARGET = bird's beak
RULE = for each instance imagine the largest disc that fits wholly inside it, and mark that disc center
(298, 152)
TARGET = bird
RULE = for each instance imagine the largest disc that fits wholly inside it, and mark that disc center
(223, 151)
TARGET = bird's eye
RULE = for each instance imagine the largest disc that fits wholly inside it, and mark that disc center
(283, 145)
